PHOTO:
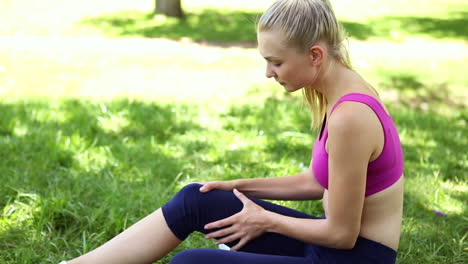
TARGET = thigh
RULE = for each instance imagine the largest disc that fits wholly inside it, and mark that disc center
(204, 256)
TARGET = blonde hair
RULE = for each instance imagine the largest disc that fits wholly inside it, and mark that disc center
(304, 23)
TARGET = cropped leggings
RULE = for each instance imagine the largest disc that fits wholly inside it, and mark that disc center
(190, 210)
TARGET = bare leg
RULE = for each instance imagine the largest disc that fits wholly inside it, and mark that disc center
(146, 241)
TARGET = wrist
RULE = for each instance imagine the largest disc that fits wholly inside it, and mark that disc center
(235, 184)
(270, 221)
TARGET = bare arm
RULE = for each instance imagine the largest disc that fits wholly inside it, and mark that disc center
(301, 186)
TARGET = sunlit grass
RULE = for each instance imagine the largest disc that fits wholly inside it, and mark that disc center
(142, 72)
(64, 177)
(390, 20)
(84, 123)
(381, 19)
(409, 73)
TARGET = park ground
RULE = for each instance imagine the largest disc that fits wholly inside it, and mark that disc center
(101, 100)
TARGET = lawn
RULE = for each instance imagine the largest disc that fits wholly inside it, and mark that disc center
(376, 20)
(83, 127)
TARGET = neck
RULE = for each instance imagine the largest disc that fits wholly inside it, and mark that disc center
(335, 82)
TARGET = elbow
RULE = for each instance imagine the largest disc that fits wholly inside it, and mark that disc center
(314, 192)
(309, 186)
(346, 243)
(314, 195)
(318, 195)
(346, 239)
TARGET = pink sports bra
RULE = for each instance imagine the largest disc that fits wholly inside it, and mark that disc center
(382, 172)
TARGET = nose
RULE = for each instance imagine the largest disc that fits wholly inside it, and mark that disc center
(269, 72)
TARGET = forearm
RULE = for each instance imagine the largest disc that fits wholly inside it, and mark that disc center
(301, 186)
(314, 231)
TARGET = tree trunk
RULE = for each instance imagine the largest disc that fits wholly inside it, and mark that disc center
(169, 8)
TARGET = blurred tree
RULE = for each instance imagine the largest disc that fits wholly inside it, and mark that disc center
(169, 8)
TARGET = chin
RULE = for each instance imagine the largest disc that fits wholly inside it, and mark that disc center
(290, 89)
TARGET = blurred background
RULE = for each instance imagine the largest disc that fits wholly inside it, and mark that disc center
(122, 48)
(106, 99)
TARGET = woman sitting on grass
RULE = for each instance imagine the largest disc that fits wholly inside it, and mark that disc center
(356, 169)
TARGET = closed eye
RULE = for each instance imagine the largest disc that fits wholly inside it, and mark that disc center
(273, 61)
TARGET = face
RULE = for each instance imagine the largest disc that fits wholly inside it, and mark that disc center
(291, 69)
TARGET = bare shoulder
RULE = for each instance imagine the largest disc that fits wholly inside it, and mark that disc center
(355, 126)
(352, 117)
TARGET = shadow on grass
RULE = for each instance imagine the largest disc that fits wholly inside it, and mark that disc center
(44, 147)
(434, 142)
(403, 81)
(413, 91)
(390, 27)
(433, 145)
(210, 25)
(280, 122)
(217, 26)
(97, 166)
(428, 237)
(79, 159)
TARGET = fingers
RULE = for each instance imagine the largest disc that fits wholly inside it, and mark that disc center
(206, 188)
(241, 197)
(221, 223)
(209, 186)
(203, 186)
(240, 245)
(228, 239)
(221, 233)
(229, 235)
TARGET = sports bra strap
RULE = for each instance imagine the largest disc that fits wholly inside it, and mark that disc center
(365, 99)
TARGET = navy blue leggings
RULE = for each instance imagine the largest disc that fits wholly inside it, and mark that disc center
(190, 210)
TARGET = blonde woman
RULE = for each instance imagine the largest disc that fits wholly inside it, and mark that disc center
(356, 169)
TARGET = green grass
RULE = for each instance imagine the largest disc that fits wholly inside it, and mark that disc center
(432, 20)
(237, 25)
(207, 24)
(66, 161)
(66, 164)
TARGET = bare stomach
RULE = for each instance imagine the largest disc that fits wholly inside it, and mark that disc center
(382, 215)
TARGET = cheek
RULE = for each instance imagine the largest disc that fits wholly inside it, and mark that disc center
(299, 78)
(291, 74)
(303, 74)
(286, 73)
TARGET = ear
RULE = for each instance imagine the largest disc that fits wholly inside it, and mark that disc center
(316, 55)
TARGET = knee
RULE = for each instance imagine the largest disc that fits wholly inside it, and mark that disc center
(189, 196)
(190, 190)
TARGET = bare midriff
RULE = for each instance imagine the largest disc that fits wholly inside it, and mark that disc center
(382, 215)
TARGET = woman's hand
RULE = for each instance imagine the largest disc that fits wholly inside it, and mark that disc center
(217, 185)
(246, 225)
